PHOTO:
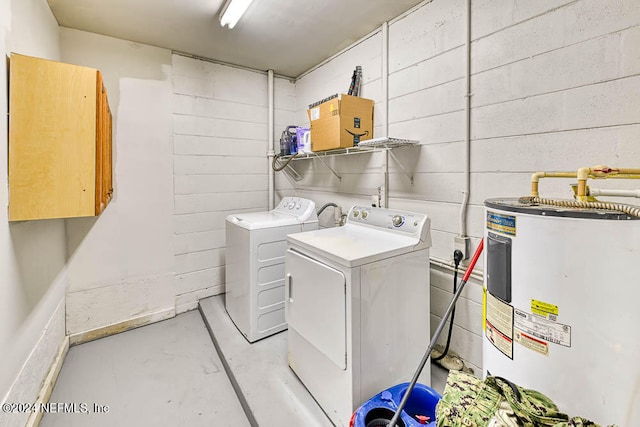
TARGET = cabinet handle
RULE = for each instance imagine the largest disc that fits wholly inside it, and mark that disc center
(289, 282)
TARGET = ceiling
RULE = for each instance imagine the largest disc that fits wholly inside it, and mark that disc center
(288, 36)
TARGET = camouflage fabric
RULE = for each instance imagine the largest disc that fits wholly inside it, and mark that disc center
(496, 402)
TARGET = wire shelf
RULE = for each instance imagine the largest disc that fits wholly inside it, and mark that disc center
(366, 146)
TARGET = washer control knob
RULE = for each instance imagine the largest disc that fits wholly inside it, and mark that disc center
(365, 214)
(356, 214)
(298, 206)
(397, 220)
(291, 205)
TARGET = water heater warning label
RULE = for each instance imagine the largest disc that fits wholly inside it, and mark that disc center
(499, 326)
(500, 223)
(544, 309)
(531, 343)
(542, 328)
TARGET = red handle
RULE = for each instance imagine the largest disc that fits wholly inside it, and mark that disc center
(472, 264)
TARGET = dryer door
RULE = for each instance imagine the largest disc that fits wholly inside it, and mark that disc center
(316, 305)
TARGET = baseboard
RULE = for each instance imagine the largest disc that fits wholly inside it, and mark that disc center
(104, 306)
(189, 301)
(49, 382)
(116, 328)
(39, 368)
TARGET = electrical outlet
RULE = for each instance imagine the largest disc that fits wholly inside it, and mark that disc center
(463, 244)
(375, 200)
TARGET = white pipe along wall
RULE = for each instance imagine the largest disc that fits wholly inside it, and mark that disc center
(271, 140)
(467, 128)
(614, 193)
(384, 104)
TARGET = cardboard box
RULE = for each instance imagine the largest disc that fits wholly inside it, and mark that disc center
(341, 122)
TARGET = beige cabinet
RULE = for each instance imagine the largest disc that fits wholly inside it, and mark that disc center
(60, 147)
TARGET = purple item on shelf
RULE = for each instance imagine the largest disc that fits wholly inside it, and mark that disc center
(300, 137)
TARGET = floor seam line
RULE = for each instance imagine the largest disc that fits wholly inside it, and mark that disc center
(232, 379)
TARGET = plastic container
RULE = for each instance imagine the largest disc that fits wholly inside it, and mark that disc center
(303, 137)
(288, 144)
(420, 409)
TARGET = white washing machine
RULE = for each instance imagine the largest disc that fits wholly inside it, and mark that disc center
(256, 245)
(357, 305)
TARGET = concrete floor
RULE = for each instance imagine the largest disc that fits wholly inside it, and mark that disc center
(164, 374)
(170, 373)
(260, 371)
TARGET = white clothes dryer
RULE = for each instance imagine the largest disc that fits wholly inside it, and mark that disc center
(256, 245)
(357, 305)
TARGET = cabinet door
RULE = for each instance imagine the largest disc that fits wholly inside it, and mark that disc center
(104, 188)
(100, 141)
(104, 157)
(52, 131)
(108, 170)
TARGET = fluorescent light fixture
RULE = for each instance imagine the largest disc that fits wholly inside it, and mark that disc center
(232, 11)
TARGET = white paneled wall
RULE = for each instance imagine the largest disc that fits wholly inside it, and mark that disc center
(219, 139)
(120, 264)
(335, 76)
(220, 143)
(555, 86)
(361, 174)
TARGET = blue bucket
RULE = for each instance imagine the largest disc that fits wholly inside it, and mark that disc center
(420, 406)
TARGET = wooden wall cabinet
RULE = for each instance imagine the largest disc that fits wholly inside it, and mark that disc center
(60, 140)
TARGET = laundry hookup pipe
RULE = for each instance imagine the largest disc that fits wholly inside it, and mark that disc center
(436, 335)
(613, 193)
(325, 206)
(535, 179)
(602, 172)
(596, 172)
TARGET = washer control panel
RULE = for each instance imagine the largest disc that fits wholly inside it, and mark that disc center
(297, 206)
(400, 221)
